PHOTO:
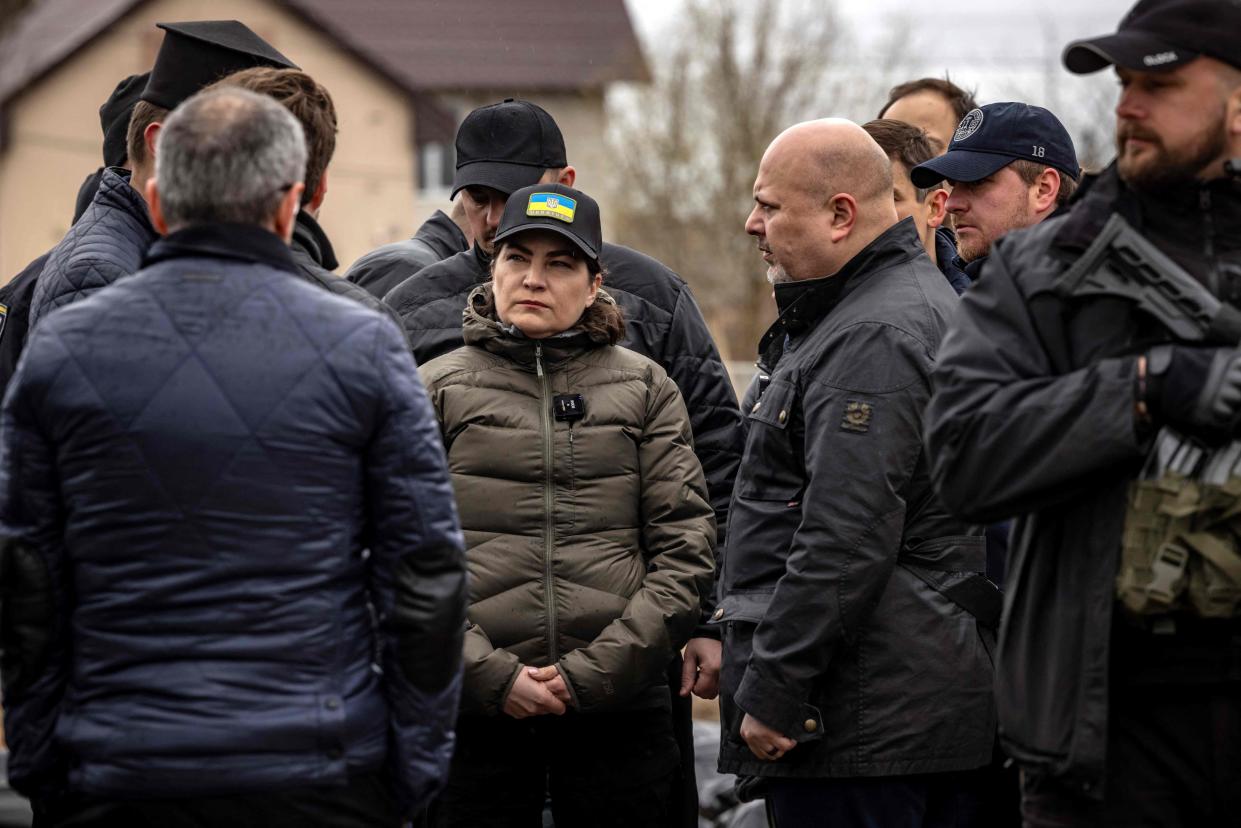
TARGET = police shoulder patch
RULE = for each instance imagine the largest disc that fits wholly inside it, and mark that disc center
(857, 417)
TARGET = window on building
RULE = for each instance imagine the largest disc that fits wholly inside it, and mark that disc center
(435, 166)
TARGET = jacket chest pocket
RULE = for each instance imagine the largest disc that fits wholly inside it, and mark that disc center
(771, 468)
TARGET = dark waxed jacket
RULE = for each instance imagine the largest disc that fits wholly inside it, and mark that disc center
(1033, 415)
(386, 267)
(315, 258)
(108, 242)
(836, 631)
(194, 462)
(600, 556)
(662, 322)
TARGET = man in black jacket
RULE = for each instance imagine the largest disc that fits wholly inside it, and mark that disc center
(115, 231)
(502, 148)
(856, 679)
(312, 105)
(1047, 405)
(17, 294)
(439, 237)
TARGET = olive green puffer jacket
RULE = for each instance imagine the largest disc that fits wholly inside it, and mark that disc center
(590, 540)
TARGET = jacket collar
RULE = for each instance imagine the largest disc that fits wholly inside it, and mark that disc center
(240, 242)
(481, 260)
(116, 193)
(309, 236)
(485, 331)
(442, 235)
(1106, 194)
(950, 262)
(803, 303)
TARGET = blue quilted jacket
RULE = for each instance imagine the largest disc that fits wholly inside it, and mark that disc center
(235, 560)
(109, 241)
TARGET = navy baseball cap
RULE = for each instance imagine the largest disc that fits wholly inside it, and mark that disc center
(992, 137)
(1159, 35)
(557, 208)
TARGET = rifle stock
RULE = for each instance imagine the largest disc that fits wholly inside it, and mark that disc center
(1123, 264)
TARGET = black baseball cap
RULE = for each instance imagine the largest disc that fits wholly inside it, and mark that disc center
(1159, 35)
(992, 137)
(557, 208)
(507, 146)
(198, 53)
(114, 118)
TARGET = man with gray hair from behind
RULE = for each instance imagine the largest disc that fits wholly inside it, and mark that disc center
(240, 569)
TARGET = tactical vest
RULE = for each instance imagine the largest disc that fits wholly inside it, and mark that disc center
(1181, 548)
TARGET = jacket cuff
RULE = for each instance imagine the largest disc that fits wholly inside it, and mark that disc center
(487, 684)
(564, 676)
(773, 706)
(705, 630)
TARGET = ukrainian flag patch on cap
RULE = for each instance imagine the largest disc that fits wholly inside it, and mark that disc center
(552, 205)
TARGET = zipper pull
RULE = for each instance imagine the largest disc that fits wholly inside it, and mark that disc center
(538, 359)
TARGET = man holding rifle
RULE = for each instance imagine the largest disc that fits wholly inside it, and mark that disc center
(1091, 383)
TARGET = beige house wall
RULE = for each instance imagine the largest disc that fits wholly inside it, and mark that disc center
(55, 136)
(581, 118)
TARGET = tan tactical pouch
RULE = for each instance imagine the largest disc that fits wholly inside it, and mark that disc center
(1181, 549)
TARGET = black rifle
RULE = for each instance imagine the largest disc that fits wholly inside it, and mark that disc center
(1121, 263)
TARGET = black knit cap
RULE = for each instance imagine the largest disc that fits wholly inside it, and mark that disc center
(200, 52)
(114, 118)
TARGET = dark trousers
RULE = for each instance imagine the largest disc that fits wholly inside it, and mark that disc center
(1173, 759)
(601, 770)
(365, 802)
(686, 816)
(933, 800)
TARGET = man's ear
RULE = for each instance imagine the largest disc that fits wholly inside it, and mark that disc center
(1044, 190)
(286, 214)
(938, 202)
(842, 216)
(1232, 119)
(155, 208)
(567, 176)
(149, 137)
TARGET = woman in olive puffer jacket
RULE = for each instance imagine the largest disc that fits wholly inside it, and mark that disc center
(589, 535)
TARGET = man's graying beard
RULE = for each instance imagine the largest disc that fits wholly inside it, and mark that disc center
(777, 275)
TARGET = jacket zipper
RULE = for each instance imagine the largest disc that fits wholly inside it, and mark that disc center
(1221, 290)
(549, 591)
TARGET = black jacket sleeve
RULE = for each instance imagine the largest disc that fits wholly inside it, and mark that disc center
(1007, 433)
(35, 607)
(418, 575)
(694, 364)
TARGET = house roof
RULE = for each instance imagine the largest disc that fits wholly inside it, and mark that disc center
(421, 45)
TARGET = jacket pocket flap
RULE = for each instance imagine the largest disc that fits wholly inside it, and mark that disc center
(775, 407)
(951, 553)
(742, 606)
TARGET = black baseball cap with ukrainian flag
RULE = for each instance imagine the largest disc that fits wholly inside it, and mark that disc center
(557, 208)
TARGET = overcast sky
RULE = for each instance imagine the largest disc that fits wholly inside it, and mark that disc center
(999, 49)
(979, 42)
